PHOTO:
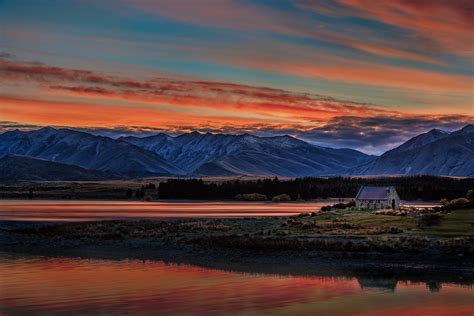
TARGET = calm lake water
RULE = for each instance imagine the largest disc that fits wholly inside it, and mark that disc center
(69, 286)
(100, 210)
(103, 210)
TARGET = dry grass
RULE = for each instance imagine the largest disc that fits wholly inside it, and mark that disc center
(339, 231)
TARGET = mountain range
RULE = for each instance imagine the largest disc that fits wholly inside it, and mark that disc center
(60, 154)
(85, 150)
(218, 154)
(435, 152)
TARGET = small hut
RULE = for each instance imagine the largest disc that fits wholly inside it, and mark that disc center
(375, 198)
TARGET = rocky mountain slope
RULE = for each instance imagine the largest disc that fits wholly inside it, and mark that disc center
(85, 150)
(434, 153)
(20, 168)
(219, 154)
(195, 154)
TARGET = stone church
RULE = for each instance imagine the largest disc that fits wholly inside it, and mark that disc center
(376, 198)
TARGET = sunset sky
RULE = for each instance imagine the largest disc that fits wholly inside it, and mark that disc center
(346, 73)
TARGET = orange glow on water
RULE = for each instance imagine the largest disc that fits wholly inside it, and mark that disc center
(102, 210)
(105, 210)
(79, 286)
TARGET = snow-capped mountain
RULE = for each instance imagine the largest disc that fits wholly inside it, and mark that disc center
(434, 153)
(85, 150)
(219, 154)
(195, 154)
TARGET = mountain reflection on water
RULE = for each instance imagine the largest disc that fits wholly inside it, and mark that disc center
(32, 285)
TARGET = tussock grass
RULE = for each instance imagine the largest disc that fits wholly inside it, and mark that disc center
(407, 245)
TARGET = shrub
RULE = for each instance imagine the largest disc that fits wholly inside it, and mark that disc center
(458, 202)
(444, 202)
(251, 197)
(429, 220)
(470, 195)
(326, 208)
(281, 198)
(338, 206)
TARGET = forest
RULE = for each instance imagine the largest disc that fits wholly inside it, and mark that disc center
(408, 188)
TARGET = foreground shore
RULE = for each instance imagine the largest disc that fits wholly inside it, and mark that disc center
(337, 240)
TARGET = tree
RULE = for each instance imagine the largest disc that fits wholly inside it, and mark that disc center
(30, 193)
(444, 202)
(129, 193)
(470, 195)
(150, 186)
(281, 198)
(408, 188)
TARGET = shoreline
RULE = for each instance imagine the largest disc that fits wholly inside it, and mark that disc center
(279, 263)
(250, 245)
(428, 203)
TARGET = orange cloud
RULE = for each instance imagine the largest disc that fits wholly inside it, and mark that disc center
(83, 98)
(249, 17)
(75, 114)
(440, 25)
(362, 73)
(225, 99)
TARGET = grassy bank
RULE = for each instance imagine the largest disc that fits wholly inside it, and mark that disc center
(335, 234)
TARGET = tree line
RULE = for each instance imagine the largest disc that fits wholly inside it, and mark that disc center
(408, 188)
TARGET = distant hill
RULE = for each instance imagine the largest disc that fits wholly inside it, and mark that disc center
(433, 153)
(219, 154)
(16, 168)
(85, 150)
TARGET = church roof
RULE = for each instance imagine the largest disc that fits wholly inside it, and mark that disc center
(373, 193)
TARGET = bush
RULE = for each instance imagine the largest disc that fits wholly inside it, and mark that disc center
(341, 206)
(326, 208)
(338, 206)
(251, 197)
(281, 198)
(429, 220)
(470, 195)
(458, 202)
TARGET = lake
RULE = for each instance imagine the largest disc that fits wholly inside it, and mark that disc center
(35, 285)
(102, 210)
(57, 210)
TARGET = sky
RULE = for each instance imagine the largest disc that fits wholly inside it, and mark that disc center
(361, 74)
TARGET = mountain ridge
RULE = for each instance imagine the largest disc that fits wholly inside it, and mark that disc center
(85, 150)
(443, 154)
(247, 154)
(22, 168)
(435, 152)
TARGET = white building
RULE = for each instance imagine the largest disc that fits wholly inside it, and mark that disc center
(375, 198)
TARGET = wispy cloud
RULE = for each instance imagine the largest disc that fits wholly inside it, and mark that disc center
(270, 103)
(6, 55)
(381, 133)
(441, 26)
(251, 17)
(87, 100)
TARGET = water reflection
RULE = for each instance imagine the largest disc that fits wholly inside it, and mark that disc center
(41, 285)
(103, 210)
(378, 283)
